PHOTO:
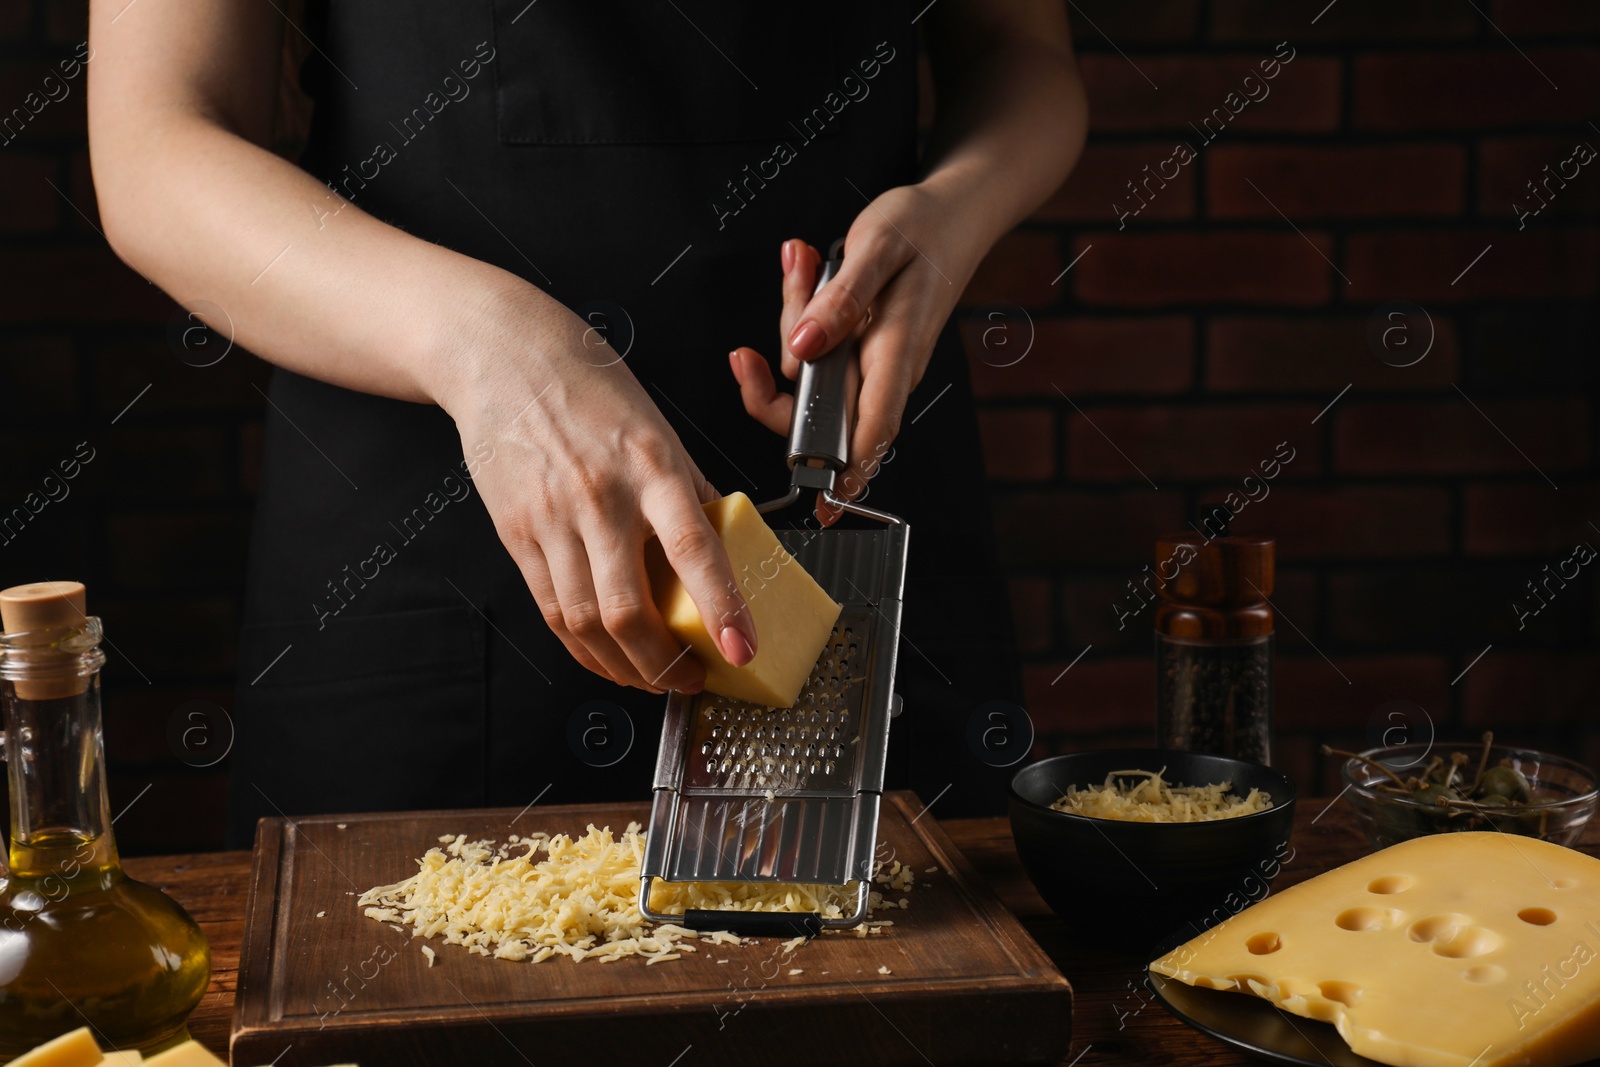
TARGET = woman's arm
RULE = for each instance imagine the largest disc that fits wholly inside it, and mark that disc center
(180, 103)
(1009, 126)
(1010, 111)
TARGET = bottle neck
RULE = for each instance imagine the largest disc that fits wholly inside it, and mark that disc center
(60, 820)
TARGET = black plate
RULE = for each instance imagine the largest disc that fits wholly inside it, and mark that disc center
(1248, 1022)
(1258, 1026)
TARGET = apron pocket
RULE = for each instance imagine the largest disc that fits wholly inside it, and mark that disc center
(377, 712)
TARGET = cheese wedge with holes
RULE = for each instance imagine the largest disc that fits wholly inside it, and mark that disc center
(793, 616)
(1455, 950)
(75, 1049)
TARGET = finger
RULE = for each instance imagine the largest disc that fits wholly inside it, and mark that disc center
(825, 512)
(765, 402)
(631, 619)
(799, 282)
(536, 572)
(704, 491)
(838, 307)
(696, 554)
(886, 380)
(571, 574)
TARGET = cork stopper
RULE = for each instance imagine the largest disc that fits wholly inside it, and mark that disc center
(44, 606)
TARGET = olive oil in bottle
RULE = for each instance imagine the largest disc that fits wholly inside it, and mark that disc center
(81, 944)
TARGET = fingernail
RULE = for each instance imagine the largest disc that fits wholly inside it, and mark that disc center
(733, 362)
(786, 254)
(807, 340)
(736, 647)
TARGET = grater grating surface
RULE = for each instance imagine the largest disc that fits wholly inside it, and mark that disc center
(745, 793)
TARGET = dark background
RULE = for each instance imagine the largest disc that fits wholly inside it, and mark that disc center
(1165, 365)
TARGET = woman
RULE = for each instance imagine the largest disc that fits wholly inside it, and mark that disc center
(498, 289)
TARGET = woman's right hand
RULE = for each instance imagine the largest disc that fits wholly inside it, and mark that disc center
(585, 471)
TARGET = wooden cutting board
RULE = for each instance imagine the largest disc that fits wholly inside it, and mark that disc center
(967, 984)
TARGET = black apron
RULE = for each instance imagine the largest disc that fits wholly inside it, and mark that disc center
(641, 163)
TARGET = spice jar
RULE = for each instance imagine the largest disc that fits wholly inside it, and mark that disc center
(80, 942)
(1214, 642)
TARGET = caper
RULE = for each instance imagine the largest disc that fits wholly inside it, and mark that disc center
(1506, 782)
(1435, 794)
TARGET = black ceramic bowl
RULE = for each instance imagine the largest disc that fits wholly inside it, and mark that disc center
(1127, 882)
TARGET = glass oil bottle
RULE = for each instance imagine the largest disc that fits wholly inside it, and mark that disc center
(81, 944)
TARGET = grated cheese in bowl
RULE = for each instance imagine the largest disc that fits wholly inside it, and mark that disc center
(1152, 799)
(540, 896)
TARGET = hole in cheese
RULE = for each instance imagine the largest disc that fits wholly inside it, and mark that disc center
(793, 616)
(1473, 941)
(1537, 916)
(1389, 884)
(1484, 974)
(1346, 993)
(1565, 883)
(1438, 927)
(1364, 919)
(1264, 943)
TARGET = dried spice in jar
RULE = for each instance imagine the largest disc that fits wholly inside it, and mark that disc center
(1214, 626)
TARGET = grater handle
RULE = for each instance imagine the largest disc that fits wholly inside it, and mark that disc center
(755, 923)
(825, 401)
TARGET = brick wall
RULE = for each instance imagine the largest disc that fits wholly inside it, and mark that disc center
(1235, 306)
(1166, 363)
(155, 522)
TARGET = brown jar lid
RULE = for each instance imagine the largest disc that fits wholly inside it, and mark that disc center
(1214, 588)
(42, 606)
(1227, 571)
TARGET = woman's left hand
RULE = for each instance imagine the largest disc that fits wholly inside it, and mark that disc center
(905, 266)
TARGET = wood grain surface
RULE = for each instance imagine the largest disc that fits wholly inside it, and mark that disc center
(320, 983)
(1112, 1022)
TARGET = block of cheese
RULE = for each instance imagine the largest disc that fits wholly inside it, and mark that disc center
(188, 1054)
(122, 1058)
(75, 1049)
(1454, 950)
(793, 616)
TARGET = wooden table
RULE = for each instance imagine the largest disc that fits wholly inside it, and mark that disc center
(1114, 1019)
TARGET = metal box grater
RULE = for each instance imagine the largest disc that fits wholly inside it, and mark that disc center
(746, 793)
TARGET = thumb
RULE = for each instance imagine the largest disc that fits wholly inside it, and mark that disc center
(839, 306)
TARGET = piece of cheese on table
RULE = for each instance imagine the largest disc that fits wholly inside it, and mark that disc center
(793, 615)
(188, 1054)
(75, 1049)
(1454, 950)
(192, 1054)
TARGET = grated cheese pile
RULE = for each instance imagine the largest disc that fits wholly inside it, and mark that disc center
(1153, 799)
(580, 900)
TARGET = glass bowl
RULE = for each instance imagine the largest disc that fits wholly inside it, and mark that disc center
(1564, 796)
